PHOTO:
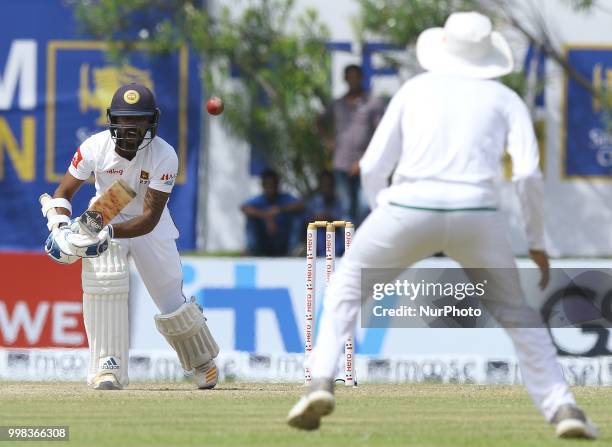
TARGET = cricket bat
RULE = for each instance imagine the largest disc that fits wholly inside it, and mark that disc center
(104, 209)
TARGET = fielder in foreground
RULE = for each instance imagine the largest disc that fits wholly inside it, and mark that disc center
(444, 132)
(130, 151)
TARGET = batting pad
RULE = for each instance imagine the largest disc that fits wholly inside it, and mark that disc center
(105, 311)
(187, 332)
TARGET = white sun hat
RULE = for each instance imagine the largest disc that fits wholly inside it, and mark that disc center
(466, 46)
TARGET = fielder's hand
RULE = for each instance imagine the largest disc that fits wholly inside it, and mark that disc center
(541, 259)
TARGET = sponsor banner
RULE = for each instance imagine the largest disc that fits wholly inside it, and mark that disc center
(588, 141)
(55, 87)
(252, 305)
(71, 365)
(40, 303)
(259, 306)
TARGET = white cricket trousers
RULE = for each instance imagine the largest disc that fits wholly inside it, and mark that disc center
(159, 265)
(396, 237)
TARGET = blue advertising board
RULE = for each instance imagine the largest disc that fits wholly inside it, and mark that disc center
(588, 140)
(55, 86)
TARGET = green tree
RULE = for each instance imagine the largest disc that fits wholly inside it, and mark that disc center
(400, 22)
(280, 56)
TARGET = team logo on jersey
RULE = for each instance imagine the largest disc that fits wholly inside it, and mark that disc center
(144, 178)
(168, 179)
(131, 96)
(77, 157)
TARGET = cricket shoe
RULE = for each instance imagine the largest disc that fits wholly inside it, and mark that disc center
(106, 382)
(571, 422)
(319, 401)
(206, 376)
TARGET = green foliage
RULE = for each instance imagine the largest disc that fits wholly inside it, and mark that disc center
(401, 22)
(280, 56)
(582, 4)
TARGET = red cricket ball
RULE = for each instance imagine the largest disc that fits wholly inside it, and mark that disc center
(214, 106)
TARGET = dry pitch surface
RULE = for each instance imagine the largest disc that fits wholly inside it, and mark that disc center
(254, 415)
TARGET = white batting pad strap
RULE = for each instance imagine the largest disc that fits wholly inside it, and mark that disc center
(108, 273)
(187, 332)
(56, 203)
(57, 219)
(105, 311)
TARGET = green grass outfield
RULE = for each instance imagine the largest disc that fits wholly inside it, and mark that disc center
(172, 415)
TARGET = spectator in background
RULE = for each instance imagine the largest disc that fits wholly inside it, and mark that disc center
(325, 205)
(351, 119)
(272, 218)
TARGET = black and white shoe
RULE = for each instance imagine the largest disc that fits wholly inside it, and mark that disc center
(319, 401)
(571, 422)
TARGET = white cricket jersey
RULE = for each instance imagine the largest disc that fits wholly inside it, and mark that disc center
(443, 138)
(154, 167)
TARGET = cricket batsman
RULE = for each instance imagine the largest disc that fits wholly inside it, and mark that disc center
(129, 150)
(442, 139)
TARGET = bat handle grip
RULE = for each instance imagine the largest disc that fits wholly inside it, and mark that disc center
(44, 198)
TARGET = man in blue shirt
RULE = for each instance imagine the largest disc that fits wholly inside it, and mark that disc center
(271, 219)
(353, 118)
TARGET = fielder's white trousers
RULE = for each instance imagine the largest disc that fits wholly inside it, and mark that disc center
(396, 237)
